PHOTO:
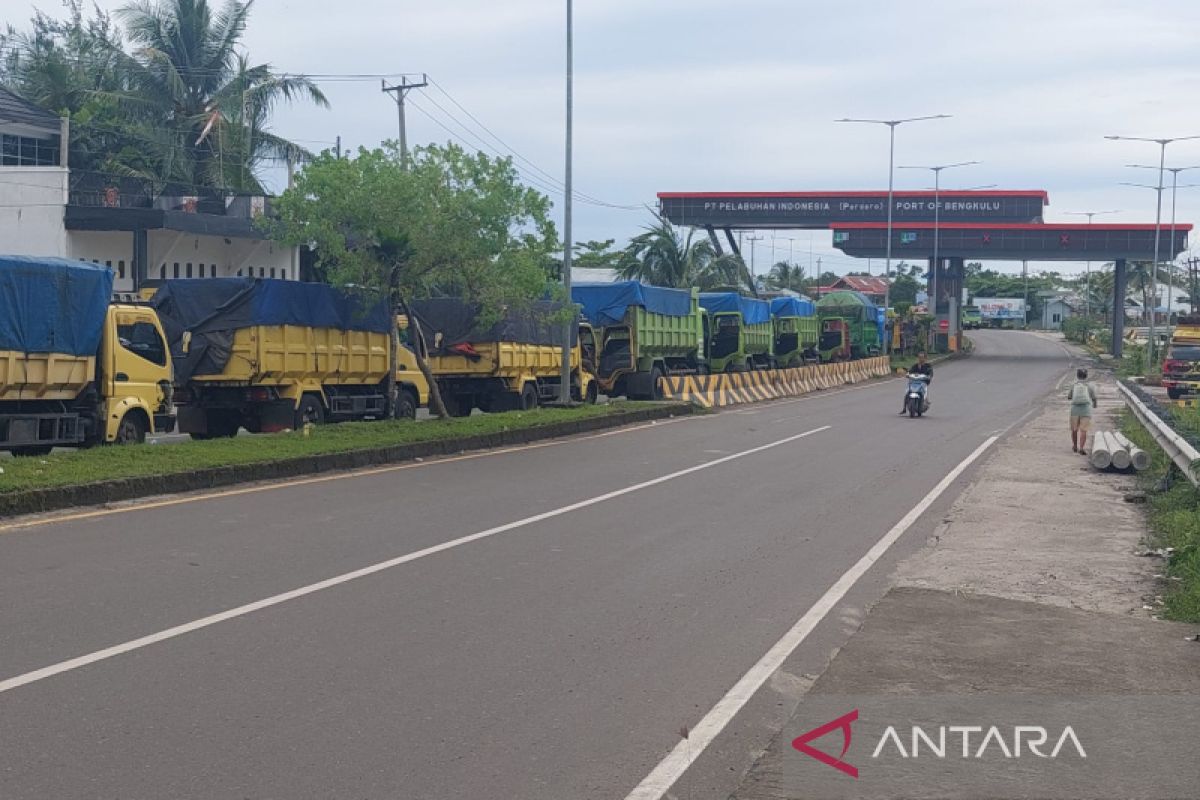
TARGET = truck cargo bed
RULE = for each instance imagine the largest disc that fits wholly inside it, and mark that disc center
(285, 354)
(44, 376)
(503, 359)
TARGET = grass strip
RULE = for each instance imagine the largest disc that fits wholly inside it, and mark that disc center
(108, 463)
(1174, 513)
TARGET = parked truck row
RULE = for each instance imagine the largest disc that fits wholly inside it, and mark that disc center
(213, 356)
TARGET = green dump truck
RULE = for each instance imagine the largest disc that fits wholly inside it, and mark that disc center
(741, 335)
(850, 326)
(642, 333)
(796, 330)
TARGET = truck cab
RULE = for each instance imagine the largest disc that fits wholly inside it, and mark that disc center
(118, 395)
(725, 343)
(135, 374)
(835, 339)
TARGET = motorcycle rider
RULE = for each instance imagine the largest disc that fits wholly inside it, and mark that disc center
(922, 367)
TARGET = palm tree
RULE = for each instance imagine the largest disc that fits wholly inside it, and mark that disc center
(660, 256)
(784, 275)
(188, 81)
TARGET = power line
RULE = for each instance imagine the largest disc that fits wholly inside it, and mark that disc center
(556, 184)
(535, 180)
(514, 152)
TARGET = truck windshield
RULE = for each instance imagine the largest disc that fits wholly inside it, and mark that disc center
(725, 340)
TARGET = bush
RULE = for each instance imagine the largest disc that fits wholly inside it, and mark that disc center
(1078, 329)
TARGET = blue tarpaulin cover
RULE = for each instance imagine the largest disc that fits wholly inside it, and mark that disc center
(754, 312)
(52, 305)
(606, 303)
(211, 309)
(792, 307)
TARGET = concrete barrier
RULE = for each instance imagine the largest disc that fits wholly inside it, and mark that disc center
(716, 391)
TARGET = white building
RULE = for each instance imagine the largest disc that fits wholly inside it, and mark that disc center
(48, 210)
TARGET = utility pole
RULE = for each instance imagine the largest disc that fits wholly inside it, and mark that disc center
(338, 147)
(1025, 275)
(400, 91)
(753, 240)
(1193, 283)
(564, 388)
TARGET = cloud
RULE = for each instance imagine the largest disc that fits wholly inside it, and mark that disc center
(701, 94)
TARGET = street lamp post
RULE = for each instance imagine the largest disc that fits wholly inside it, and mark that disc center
(1175, 187)
(1162, 159)
(1154, 276)
(937, 183)
(564, 389)
(891, 123)
(1087, 285)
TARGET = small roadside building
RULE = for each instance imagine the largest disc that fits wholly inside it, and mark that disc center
(1055, 311)
(874, 288)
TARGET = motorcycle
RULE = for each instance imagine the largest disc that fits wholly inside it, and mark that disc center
(916, 397)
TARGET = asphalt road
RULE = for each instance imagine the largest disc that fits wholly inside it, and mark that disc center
(619, 584)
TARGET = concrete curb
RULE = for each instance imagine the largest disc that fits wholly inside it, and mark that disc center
(32, 501)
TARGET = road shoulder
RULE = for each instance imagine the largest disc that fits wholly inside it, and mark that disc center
(1032, 583)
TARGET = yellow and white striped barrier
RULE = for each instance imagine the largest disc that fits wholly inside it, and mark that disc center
(715, 391)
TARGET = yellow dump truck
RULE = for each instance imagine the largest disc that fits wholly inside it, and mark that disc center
(512, 363)
(271, 355)
(75, 370)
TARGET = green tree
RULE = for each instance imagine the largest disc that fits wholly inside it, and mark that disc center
(453, 223)
(904, 289)
(662, 257)
(597, 255)
(187, 74)
(187, 105)
(71, 67)
(785, 275)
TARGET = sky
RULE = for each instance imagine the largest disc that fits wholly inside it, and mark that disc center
(741, 96)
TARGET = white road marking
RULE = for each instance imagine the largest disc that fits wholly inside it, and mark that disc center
(660, 780)
(258, 605)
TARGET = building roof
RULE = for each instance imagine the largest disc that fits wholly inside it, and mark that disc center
(15, 109)
(863, 283)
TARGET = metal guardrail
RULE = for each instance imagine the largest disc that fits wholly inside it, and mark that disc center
(1178, 449)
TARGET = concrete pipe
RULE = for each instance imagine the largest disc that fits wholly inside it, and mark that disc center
(1120, 456)
(1137, 456)
(1098, 452)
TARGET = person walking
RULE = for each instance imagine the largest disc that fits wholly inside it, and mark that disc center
(1083, 399)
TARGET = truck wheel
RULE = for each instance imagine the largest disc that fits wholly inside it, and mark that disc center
(529, 398)
(132, 429)
(1173, 392)
(593, 394)
(656, 392)
(33, 450)
(406, 405)
(309, 410)
(457, 405)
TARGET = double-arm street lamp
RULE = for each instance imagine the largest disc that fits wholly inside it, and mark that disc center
(1175, 187)
(1162, 159)
(892, 124)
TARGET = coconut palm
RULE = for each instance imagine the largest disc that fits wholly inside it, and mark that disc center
(785, 275)
(663, 257)
(187, 78)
